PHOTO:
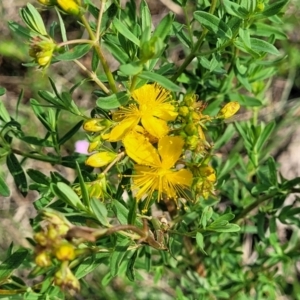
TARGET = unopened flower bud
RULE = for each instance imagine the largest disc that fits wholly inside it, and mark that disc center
(70, 7)
(47, 2)
(183, 111)
(96, 125)
(228, 110)
(43, 259)
(100, 159)
(65, 252)
(65, 279)
(41, 238)
(190, 129)
(42, 50)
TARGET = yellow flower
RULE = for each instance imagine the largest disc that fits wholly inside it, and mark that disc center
(151, 109)
(155, 167)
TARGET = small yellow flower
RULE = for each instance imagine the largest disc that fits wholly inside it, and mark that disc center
(100, 159)
(229, 110)
(65, 251)
(96, 125)
(151, 109)
(155, 169)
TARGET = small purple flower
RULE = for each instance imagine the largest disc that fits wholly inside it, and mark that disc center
(82, 146)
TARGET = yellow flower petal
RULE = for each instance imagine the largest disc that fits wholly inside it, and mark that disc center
(100, 159)
(156, 127)
(165, 111)
(140, 149)
(170, 149)
(122, 129)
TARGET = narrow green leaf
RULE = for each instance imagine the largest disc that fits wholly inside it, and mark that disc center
(164, 27)
(12, 263)
(4, 190)
(21, 30)
(274, 8)
(122, 29)
(213, 23)
(146, 21)
(113, 101)
(95, 61)
(33, 19)
(130, 266)
(38, 176)
(262, 139)
(121, 211)
(70, 133)
(4, 113)
(117, 256)
(17, 172)
(84, 192)
(261, 45)
(75, 53)
(131, 68)
(200, 242)
(99, 210)
(89, 264)
(163, 81)
(118, 53)
(235, 10)
(66, 194)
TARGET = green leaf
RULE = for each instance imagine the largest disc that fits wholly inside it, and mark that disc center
(213, 23)
(95, 60)
(263, 137)
(122, 29)
(4, 113)
(89, 264)
(146, 21)
(33, 19)
(75, 53)
(164, 27)
(131, 68)
(70, 133)
(117, 52)
(21, 30)
(263, 46)
(245, 100)
(267, 30)
(2, 91)
(83, 187)
(4, 190)
(38, 176)
(108, 16)
(99, 210)
(200, 242)
(121, 211)
(163, 81)
(17, 172)
(235, 10)
(274, 8)
(130, 266)
(118, 256)
(113, 101)
(66, 194)
(11, 263)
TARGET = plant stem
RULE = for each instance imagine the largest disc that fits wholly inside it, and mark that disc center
(110, 78)
(252, 206)
(100, 20)
(93, 76)
(53, 160)
(77, 41)
(196, 47)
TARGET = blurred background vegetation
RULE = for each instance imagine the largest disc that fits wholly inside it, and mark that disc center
(282, 103)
